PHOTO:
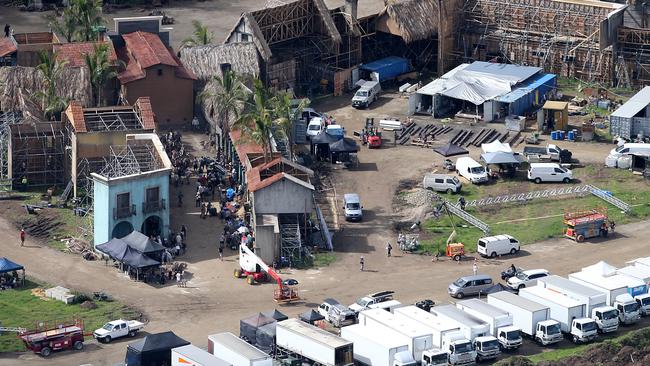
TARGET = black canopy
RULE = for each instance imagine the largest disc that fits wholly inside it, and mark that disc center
(311, 317)
(142, 243)
(248, 326)
(8, 266)
(265, 337)
(450, 150)
(345, 145)
(154, 349)
(119, 250)
(275, 314)
(136, 259)
(323, 138)
(115, 248)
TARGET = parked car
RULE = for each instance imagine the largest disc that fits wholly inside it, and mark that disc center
(315, 126)
(336, 313)
(471, 170)
(442, 183)
(370, 299)
(526, 278)
(549, 172)
(492, 246)
(469, 285)
(117, 329)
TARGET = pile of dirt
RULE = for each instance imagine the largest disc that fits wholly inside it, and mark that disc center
(88, 305)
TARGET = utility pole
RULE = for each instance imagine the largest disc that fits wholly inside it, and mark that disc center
(441, 37)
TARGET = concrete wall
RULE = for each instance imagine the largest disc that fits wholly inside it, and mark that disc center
(283, 197)
(172, 98)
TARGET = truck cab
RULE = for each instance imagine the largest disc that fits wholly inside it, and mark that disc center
(509, 337)
(548, 332)
(583, 330)
(628, 309)
(644, 303)
(435, 357)
(606, 318)
(461, 351)
(486, 347)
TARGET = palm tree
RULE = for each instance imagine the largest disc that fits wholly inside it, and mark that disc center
(66, 26)
(101, 69)
(89, 17)
(229, 97)
(257, 122)
(285, 115)
(201, 35)
(51, 70)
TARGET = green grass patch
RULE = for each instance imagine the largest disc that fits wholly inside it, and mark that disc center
(324, 259)
(19, 308)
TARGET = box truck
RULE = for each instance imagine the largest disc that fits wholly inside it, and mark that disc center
(193, 355)
(477, 331)
(313, 343)
(375, 346)
(566, 311)
(499, 320)
(418, 337)
(531, 317)
(641, 272)
(236, 351)
(605, 316)
(447, 335)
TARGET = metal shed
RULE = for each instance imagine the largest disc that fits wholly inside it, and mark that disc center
(632, 118)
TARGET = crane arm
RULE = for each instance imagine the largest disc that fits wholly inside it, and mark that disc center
(247, 256)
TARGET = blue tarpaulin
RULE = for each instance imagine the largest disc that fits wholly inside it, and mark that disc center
(525, 96)
(389, 67)
(7, 266)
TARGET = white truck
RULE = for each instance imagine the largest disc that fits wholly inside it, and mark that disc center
(605, 316)
(500, 321)
(374, 346)
(117, 329)
(531, 317)
(447, 336)
(193, 355)
(369, 300)
(477, 331)
(313, 343)
(642, 272)
(538, 154)
(566, 311)
(367, 93)
(236, 351)
(613, 286)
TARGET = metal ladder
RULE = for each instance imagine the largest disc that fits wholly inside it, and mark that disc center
(12, 329)
(625, 207)
(467, 217)
(66, 193)
(527, 196)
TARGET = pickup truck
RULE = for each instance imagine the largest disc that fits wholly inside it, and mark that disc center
(371, 299)
(549, 153)
(336, 313)
(117, 329)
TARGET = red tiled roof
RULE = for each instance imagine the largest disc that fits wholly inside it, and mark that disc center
(143, 104)
(7, 46)
(254, 176)
(244, 148)
(74, 52)
(75, 114)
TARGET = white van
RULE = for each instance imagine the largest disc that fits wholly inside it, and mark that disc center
(471, 170)
(352, 207)
(630, 149)
(549, 172)
(491, 246)
(367, 93)
(315, 126)
(442, 183)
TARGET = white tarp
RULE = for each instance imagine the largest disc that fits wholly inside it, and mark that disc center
(496, 146)
(499, 158)
(601, 268)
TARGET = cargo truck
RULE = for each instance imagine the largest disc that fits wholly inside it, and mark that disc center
(193, 355)
(447, 336)
(566, 311)
(477, 331)
(313, 343)
(605, 316)
(531, 317)
(499, 320)
(641, 272)
(376, 346)
(237, 352)
(613, 286)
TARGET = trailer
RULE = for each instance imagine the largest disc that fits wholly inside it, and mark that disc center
(592, 298)
(312, 343)
(563, 308)
(376, 347)
(525, 313)
(237, 352)
(611, 286)
(640, 271)
(195, 356)
(57, 337)
(500, 321)
(469, 325)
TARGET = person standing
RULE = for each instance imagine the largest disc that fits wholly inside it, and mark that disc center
(362, 263)
(180, 198)
(475, 267)
(22, 237)
(389, 248)
(221, 251)
(184, 231)
(7, 30)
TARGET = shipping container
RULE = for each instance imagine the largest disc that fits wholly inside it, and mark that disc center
(525, 313)
(313, 343)
(236, 351)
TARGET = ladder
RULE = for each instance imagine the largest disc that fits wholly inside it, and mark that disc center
(528, 196)
(625, 207)
(66, 193)
(12, 329)
(467, 217)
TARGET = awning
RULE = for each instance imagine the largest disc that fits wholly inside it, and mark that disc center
(8, 266)
(344, 145)
(450, 150)
(311, 316)
(323, 138)
(142, 243)
(496, 146)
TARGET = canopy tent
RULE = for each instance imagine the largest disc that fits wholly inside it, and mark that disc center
(275, 314)
(499, 158)
(119, 250)
(496, 146)
(450, 150)
(265, 337)
(344, 145)
(114, 248)
(323, 138)
(138, 260)
(154, 349)
(311, 316)
(142, 243)
(248, 326)
(7, 265)
(601, 268)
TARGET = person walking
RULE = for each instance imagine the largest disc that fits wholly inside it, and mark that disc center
(388, 249)
(461, 203)
(184, 231)
(221, 251)
(475, 267)
(180, 198)
(7, 30)
(179, 277)
(22, 237)
(362, 263)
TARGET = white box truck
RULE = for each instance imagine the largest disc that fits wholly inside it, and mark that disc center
(313, 343)
(642, 272)
(605, 316)
(418, 337)
(447, 336)
(375, 346)
(236, 351)
(500, 321)
(193, 355)
(531, 317)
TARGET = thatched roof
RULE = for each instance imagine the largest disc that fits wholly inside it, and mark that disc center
(20, 83)
(416, 19)
(205, 61)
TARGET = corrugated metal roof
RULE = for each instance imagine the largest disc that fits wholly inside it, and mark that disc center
(511, 72)
(528, 87)
(438, 85)
(635, 105)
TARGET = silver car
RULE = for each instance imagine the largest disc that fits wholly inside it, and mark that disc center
(469, 285)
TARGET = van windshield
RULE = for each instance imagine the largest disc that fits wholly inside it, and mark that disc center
(631, 307)
(588, 327)
(353, 206)
(362, 93)
(314, 127)
(463, 347)
(553, 329)
(460, 282)
(477, 170)
(620, 148)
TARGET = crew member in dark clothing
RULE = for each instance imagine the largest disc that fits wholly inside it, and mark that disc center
(7, 30)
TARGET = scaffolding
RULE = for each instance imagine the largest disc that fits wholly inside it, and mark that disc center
(633, 50)
(37, 152)
(130, 160)
(112, 119)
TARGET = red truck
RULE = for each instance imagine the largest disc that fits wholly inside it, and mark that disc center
(58, 337)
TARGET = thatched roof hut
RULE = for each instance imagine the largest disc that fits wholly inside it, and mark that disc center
(415, 20)
(20, 83)
(206, 61)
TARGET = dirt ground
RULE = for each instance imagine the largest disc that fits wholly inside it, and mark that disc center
(214, 301)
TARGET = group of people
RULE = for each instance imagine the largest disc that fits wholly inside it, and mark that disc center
(9, 280)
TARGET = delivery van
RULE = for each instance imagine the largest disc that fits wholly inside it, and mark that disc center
(471, 170)
(549, 172)
(352, 207)
(631, 149)
(442, 183)
(492, 246)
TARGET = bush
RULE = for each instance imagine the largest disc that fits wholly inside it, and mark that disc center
(639, 339)
(515, 361)
(80, 298)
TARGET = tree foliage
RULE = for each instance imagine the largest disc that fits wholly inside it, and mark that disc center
(101, 69)
(79, 21)
(200, 36)
(51, 69)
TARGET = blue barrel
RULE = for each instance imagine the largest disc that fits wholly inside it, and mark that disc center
(562, 134)
(553, 135)
(571, 135)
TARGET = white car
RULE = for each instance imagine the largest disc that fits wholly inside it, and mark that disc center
(526, 278)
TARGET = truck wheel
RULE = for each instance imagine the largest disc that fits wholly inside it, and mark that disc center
(493, 255)
(237, 273)
(566, 180)
(78, 345)
(108, 339)
(250, 279)
(538, 340)
(520, 287)
(457, 257)
(513, 251)
(580, 238)
(460, 295)
(133, 333)
(46, 351)
(538, 180)
(575, 339)
(450, 191)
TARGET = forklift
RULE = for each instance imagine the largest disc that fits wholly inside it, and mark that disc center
(371, 135)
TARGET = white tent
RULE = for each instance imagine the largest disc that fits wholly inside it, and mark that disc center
(601, 268)
(496, 146)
